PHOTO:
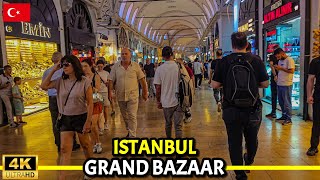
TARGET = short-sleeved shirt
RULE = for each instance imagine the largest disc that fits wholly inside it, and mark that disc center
(197, 68)
(284, 78)
(149, 69)
(214, 63)
(104, 75)
(16, 90)
(56, 75)
(126, 80)
(223, 66)
(315, 70)
(3, 81)
(167, 75)
(76, 104)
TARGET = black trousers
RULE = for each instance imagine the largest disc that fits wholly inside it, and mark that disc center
(316, 125)
(274, 95)
(239, 123)
(198, 80)
(54, 111)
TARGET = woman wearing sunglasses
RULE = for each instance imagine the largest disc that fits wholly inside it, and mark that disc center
(90, 73)
(75, 103)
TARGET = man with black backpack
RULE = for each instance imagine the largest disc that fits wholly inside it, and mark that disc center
(241, 75)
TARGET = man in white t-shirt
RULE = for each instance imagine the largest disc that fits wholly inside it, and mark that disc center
(104, 92)
(286, 68)
(166, 81)
(198, 70)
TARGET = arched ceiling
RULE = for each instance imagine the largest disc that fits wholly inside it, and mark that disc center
(183, 21)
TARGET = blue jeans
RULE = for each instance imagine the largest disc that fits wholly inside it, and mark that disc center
(284, 97)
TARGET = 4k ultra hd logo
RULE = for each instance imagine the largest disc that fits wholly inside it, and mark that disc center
(20, 167)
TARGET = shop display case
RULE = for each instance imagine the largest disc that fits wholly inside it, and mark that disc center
(29, 59)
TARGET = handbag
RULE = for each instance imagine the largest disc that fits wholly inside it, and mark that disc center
(97, 97)
(58, 121)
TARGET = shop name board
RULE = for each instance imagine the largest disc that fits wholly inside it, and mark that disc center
(278, 13)
(272, 33)
(276, 5)
(35, 30)
(247, 27)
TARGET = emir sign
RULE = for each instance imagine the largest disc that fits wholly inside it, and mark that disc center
(278, 13)
(35, 30)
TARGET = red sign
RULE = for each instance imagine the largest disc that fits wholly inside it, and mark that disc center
(278, 13)
(16, 12)
(272, 33)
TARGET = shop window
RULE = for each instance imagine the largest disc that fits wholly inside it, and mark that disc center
(287, 36)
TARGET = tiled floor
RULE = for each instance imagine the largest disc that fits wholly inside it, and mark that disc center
(278, 145)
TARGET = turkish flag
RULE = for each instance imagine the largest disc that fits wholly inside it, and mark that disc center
(16, 12)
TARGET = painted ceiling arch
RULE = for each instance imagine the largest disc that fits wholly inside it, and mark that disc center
(163, 16)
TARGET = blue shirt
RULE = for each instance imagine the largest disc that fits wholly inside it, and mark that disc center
(56, 75)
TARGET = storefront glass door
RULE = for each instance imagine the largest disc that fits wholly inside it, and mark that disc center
(287, 36)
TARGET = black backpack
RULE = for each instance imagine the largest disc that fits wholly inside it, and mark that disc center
(241, 86)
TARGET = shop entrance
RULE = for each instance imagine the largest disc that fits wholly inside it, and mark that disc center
(287, 36)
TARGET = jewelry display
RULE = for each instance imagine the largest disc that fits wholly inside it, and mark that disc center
(29, 59)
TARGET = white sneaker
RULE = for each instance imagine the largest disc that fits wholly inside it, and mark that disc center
(14, 125)
(106, 126)
(187, 120)
(98, 148)
(95, 149)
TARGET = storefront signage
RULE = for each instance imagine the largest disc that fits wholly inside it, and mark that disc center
(278, 13)
(276, 5)
(35, 30)
(249, 26)
(272, 33)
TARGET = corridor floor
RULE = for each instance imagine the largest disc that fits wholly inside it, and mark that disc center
(278, 145)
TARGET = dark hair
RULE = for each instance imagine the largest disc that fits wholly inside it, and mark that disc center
(219, 52)
(107, 68)
(6, 67)
(16, 79)
(167, 52)
(100, 62)
(90, 63)
(278, 51)
(196, 60)
(239, 40)
(76, 66)
(249, 47)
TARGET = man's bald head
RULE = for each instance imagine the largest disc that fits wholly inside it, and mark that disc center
(125, 54)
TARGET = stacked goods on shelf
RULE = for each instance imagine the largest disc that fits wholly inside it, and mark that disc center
(29, 60)
(316, 44)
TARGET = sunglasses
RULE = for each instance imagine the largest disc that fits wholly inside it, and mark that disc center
(66, 64)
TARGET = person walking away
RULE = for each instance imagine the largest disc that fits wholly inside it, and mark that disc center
(313, 93)
(75, 104)
(6, 83)
(241, 104)
(198, 70)
(89, 72)
(126, 75)
(167, 84)
(274, 77)
(217, 93)
(286, 68)
(149, 70)
(53, 105)
(104, 75)
(18, 100)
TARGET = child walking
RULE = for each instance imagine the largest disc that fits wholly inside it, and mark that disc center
(18, 100)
